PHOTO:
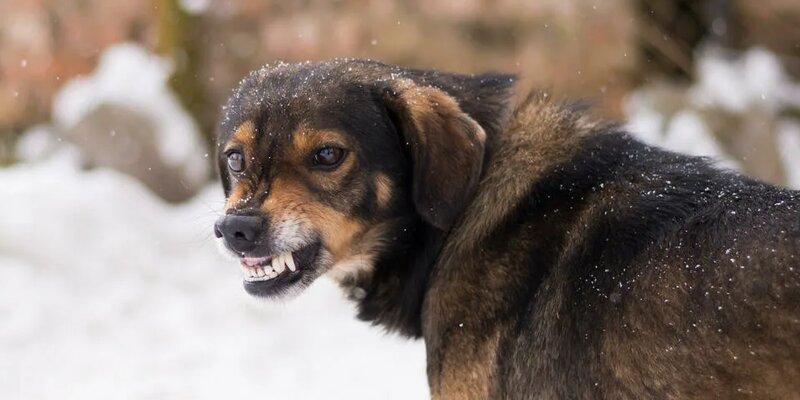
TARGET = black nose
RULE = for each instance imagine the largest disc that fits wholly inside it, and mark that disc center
(240, 231)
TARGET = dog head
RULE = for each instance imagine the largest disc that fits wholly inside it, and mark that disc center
(320, 161)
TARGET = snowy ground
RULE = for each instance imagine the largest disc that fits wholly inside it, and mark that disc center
(106, 293)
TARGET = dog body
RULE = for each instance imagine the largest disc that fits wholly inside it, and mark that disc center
(590, 265)
(538, 253)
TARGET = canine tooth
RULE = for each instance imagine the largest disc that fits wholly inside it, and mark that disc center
(290, 262)
(274, 263)
(279, 264)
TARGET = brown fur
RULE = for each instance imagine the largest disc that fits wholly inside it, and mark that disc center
(240, 194)
(245, 135)
(338, 231)
(447, 146)
(539, 137)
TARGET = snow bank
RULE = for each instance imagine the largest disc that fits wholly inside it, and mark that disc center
(106, 292)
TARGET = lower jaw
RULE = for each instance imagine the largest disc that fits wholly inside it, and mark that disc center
(274, 287)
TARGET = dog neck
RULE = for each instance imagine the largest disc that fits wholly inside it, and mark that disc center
(391, 294)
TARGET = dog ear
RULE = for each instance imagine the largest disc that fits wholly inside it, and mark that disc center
(446, 147)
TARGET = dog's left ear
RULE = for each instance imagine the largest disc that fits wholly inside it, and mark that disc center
(446, 147)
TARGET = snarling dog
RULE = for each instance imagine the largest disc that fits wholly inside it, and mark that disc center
(539, 253)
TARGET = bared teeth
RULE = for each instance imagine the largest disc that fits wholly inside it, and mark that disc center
(264, 268)
(290, 262)
(278, 264)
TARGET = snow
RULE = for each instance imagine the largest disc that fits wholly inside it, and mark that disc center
(129, 75)
(195, 6)
(643, 120)
(688, 133)
(36, 143)
(685, 131)
(106, 292)
(754, 79)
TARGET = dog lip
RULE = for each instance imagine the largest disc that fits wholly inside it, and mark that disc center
(304, 263)
(256, 261)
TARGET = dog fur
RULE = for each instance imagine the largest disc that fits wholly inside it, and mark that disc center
(541, 254)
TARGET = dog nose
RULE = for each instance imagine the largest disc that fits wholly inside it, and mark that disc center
(240, 232)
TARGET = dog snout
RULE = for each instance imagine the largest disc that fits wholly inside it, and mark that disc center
(240, 232)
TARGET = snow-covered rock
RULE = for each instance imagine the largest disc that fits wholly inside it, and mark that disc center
(124, 116)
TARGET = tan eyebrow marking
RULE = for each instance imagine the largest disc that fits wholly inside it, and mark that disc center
(245, 135)
(306, 139)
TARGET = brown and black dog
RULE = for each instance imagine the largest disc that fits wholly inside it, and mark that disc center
(539, 254)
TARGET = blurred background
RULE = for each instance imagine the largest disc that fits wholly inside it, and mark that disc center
(110, 285)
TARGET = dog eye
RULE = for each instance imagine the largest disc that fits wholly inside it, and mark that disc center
(236, 161)
(328, 156)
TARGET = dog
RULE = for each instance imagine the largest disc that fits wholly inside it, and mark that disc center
(540, 253)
